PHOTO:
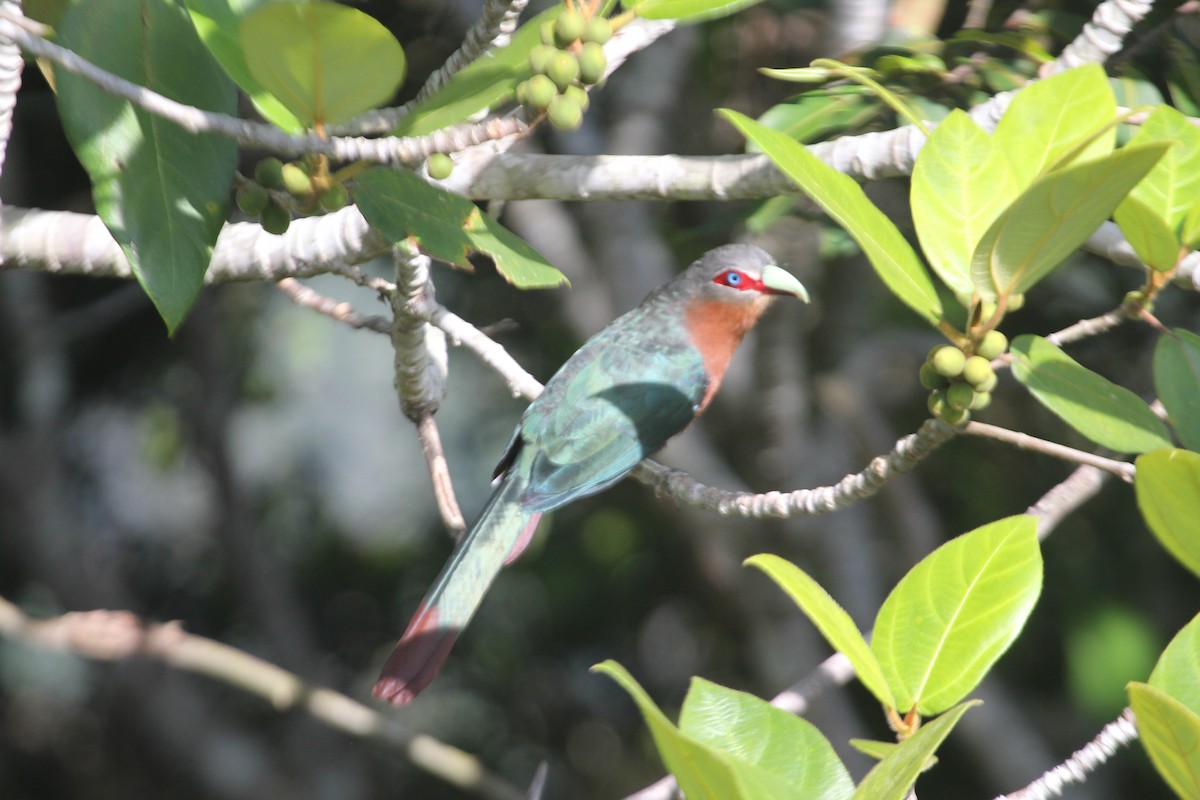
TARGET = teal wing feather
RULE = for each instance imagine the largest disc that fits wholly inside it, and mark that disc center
(614, 403)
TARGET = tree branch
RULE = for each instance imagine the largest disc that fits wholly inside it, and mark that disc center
(11, 65)
(1122, 469)
(305, 296)
(120, 635)
(1113, 736)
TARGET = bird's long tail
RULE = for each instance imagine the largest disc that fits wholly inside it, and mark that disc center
(502, 531)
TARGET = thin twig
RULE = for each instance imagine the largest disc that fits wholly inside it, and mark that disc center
(495, 24)
(1089, 327)
(1122, 469)
(1113, 736)
(120, 635)
(343, 312)
(439, 474)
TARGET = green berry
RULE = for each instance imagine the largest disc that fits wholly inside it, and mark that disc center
(539, 57)
(948, 361)
(546, 32)
(563, 69)
(1016, 302)
(930, 378)
(956, 416)
(522, 93)
(541, 92)
(981, 401)
(597, 30)
(568, 27)
(275, 218)
(333, 198)
(988, 385)
(592, 63)
(994, 344)
(959, 396)
(439, 166)
(564, 113)
(937, 402)
(269, 173)
(579, 96)
(252, 199)
(977, 370)
(296, 181)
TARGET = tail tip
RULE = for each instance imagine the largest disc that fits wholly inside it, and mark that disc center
(393, 690)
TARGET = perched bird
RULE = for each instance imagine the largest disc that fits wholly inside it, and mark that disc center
(619, 398)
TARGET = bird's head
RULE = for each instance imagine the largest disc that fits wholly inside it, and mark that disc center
(740, 274)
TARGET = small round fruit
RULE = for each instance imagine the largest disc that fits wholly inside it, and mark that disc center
(592, 63)
(252, 199)
(563, 69)
(977, 370)
(597, 30)
(522, 93)
(275, 218)
(541, 92)
(930, 378)
(937, 403)
(564, 113)
(956, 416)
(439, 166)
(539, 57)
(568, 27)
(981, 401)
(296, 181)
(948, 361)
(1016, 302)
(959, 396)
(546, 32)
(269, 173)
(994, 344)
(578, 95)
(334, 198)
(988, 385)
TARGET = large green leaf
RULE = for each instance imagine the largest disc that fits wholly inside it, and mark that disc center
(831, 619)
(217, 23)
(960, 184)
(703, 773)
(842, 199)
(953, 615)
(1177, 382)
(892, 778)
(1148, 233)
(752, 731)
(1168, 494)
(1109, 415)
(689, 10)
(1053, 217)
(1171, 187)
(1051, 117)
(816, 116)
(1177, 667)
(163, 192)
(325, 62)
(447, 227)
(1170, 732)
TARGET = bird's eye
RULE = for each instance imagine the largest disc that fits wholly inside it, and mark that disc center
(731, 278)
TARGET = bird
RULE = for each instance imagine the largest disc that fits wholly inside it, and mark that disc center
(615, 401)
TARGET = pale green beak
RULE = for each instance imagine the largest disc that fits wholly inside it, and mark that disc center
(780, 281)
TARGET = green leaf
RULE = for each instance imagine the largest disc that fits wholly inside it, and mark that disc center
(447, 227)
(1109, 415)
(817, 116)
(1170, 189)
(752, 731)
(1170, 732)
(1189, 231)
(1177, 383)
(702, 772)
(1168, 493)
(1049, 118)
(484, 83)
(689, 10)
(960, 184)
(831, 619)
(844, 200)
(217, 23)
(953, 615)
(163, 192)
(325, 62)
(1053, 218)
(892, 778)
(1177, 667)
(1148, 233)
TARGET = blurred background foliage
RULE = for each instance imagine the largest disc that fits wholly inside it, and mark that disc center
(254, 479)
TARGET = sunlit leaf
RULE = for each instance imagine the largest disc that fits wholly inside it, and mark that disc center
(689, 10)
(1177, 667)
(1148, 233)
(956, 612)
(892, 778)
(1109, 415)
(890, 254)
(1170, 732)
(1177, 383)
(1168, 494)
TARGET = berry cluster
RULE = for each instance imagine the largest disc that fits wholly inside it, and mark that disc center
(570, 57)
(304, 184)
(959, 382)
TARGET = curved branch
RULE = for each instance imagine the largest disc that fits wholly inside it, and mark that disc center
(120, 635)
(1122, 469)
